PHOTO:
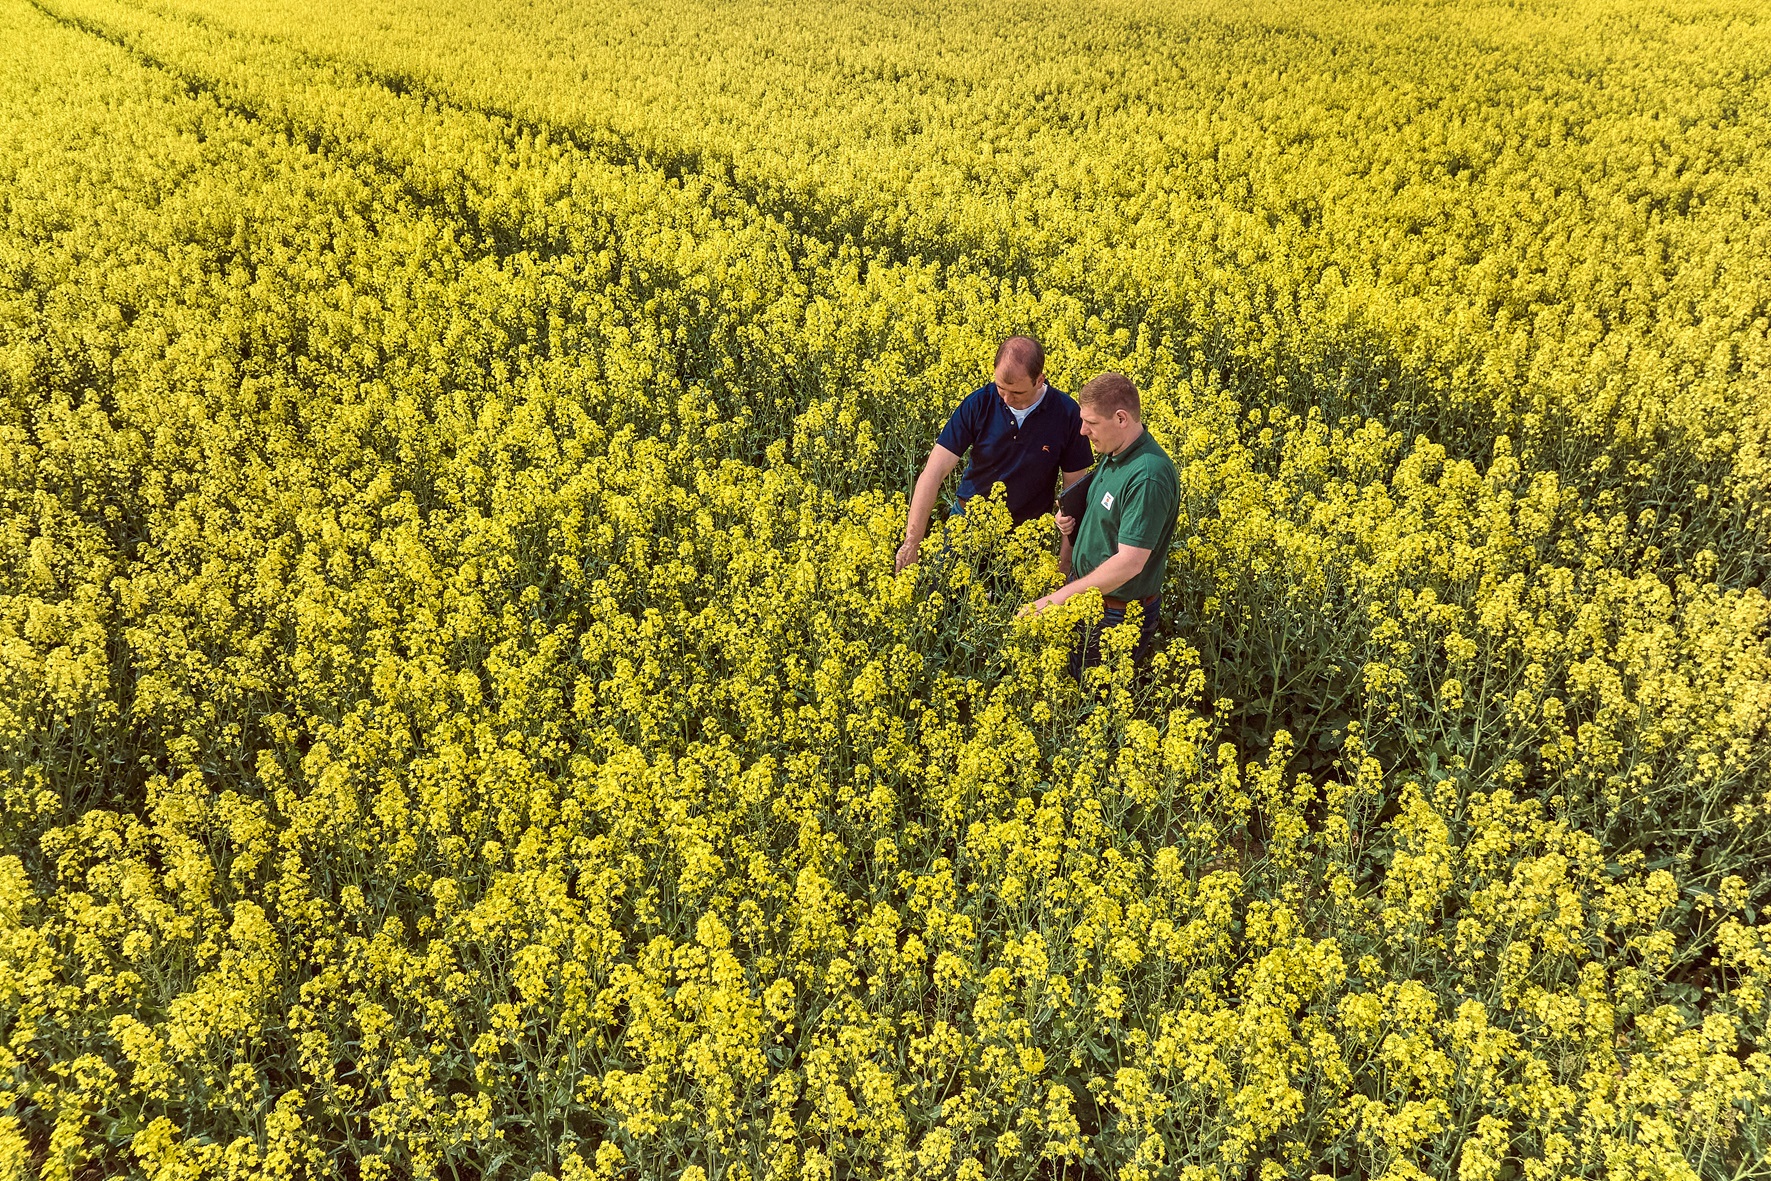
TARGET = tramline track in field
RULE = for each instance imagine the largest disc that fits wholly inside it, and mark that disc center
(1547, 165)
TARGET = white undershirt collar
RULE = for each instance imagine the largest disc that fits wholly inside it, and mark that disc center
(1021, 415)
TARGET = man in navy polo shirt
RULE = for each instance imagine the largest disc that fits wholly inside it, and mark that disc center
(1019, 430)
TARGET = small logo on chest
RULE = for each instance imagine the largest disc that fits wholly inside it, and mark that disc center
(1106, 500)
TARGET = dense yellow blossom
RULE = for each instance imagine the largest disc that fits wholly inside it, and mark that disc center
(458, 717)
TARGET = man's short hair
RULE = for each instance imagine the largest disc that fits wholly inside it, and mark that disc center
(1023, 354)
(1111, 392)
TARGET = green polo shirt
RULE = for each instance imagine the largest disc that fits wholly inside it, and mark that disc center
(1134, 499)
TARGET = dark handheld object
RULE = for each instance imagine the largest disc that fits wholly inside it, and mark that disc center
(1074, 502)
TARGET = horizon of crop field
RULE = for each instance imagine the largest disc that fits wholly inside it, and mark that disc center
(460, 716)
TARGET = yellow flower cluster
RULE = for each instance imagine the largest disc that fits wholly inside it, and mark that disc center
(458, 717)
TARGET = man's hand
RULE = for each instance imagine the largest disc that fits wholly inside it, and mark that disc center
(1067, 526)
(1108, 577)
(907, 553)
(1040, 604)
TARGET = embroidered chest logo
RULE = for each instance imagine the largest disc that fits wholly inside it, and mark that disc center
(1106, 500)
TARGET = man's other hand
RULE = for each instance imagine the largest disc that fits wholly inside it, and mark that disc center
(907, 553)
(1067, 525)
(1040, 604)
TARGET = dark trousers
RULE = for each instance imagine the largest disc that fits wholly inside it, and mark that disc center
(1087, 652)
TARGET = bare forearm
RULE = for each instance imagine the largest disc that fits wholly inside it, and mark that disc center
(922, 503)
(940, 465)
(1108, 577)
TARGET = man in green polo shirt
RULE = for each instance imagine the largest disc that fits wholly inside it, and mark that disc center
(1120, 547)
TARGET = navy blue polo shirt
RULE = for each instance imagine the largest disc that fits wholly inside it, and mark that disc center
(1028, 458)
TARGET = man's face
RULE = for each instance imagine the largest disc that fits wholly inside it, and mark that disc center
(1016, 389)
(1106, 433)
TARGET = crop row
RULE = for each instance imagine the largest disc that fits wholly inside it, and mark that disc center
(1548, 227)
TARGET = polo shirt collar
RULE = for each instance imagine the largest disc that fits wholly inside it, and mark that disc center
(1044, 392)
(1137, 446)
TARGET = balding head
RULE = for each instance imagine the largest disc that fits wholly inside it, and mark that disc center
(1021, 356)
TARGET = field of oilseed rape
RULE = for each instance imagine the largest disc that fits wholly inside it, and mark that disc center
(459, 718)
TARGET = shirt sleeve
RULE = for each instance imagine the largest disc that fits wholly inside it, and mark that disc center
(1149, 506)
(961, 430)
(1077, 454)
